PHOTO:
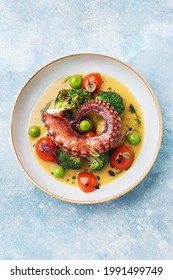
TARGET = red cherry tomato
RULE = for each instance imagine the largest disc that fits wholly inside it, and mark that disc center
(92, 82)
(46, 149)
(87, 181)
(90, 134)
(122, 157)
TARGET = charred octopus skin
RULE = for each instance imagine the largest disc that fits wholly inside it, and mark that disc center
(58, 125)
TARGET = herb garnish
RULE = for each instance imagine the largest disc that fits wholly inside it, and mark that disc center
(66, 79)
(133, 111)
(44, 109)
(111, 173)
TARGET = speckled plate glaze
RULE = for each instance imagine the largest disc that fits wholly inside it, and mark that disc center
(86, 62)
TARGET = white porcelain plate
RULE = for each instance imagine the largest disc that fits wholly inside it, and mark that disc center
(86, 62)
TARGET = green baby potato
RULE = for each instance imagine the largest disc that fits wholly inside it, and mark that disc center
(34, 131)
(133, 137)
(75, 81)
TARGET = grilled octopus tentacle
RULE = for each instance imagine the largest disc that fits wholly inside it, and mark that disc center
(58, 126)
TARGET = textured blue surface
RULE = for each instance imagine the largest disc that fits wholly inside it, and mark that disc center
(34, 225)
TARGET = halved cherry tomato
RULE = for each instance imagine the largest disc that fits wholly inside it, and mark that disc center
(90, 134)
(46, 149)
(122, 157)
(87, 181)
(92, 82)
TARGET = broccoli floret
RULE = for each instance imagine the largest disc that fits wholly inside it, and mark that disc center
(68, 161)
(97, 163)
(115, 100)
(72, 99)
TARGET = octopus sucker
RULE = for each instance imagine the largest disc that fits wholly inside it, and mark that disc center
(58, 125)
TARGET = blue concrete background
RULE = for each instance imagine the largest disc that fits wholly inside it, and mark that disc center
(34, 225)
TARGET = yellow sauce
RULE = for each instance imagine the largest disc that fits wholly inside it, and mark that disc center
(129, 120)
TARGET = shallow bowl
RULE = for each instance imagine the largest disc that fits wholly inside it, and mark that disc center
(86, 62)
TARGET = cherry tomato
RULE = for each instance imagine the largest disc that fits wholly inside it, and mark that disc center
(87, 181)
(90, 134)
(122, 157)
(46, 149)
(92, 82)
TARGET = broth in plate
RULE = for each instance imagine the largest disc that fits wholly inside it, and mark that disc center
(132, 120)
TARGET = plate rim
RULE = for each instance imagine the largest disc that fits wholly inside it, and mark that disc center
(149, 166)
